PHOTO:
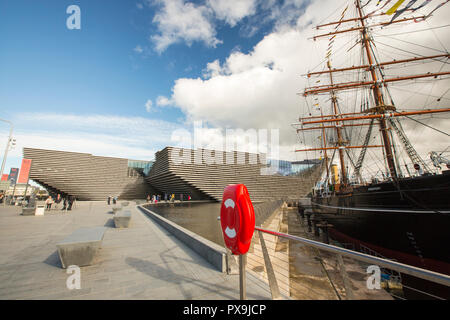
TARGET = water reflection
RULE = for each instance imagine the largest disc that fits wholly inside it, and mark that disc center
(200, 218)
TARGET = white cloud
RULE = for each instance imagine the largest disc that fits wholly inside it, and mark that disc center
(180, 21)
(148, 105)
(287, 12)
(162, 101)
(255, 90)
(184, 21)
(213, 69)
(233, 11)
(259, 89)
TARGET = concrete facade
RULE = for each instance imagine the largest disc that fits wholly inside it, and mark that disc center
(85, 176)
(201, 174)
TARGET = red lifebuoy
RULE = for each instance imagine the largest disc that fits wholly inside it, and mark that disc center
(237, 218)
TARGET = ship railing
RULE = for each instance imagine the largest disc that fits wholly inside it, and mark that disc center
(271, 256)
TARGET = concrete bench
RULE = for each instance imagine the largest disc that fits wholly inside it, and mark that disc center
(115, 209)
(81, 246)
(28, 211)
(122, 219)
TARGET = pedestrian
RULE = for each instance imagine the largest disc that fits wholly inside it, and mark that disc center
(148, 198)
(114, 200)
(57, 201)
(48, 203)
(109, 200)
(70, 202)
(64, 203)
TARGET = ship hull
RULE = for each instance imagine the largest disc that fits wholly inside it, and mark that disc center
(409, 222)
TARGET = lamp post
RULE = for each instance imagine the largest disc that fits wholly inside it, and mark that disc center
(7, 145)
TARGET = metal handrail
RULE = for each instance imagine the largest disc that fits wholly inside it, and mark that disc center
(400, 267)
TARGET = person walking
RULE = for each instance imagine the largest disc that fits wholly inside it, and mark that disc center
(109, 200)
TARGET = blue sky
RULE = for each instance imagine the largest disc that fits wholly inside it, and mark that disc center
(138, 71)
(48, 67)
(62, 84)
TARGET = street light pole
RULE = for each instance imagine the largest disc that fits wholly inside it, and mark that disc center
(7, 145)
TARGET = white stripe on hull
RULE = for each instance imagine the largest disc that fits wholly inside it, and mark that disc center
(380, 210)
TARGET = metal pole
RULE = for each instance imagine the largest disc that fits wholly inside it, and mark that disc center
(242, 279)
(7, 145)
(14, 191)
(273, 285)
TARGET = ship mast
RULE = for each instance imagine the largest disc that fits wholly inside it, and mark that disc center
(340, 142)
(379, 100)
(324, 144)
(380, 112)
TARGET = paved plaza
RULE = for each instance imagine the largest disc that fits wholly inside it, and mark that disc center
(141, 262)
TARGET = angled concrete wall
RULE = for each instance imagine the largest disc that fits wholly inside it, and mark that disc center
(201, 174)
(85, 176)
(194, 172)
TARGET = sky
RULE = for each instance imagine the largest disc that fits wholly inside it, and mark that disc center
(139, 75)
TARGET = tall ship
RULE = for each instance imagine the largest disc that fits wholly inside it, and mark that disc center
(376, 112)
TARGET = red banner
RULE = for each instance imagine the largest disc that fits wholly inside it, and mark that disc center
(5, 177)
(24, 171)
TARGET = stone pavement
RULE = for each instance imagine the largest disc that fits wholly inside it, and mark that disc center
(141, 262)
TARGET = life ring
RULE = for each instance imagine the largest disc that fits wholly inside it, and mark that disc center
(237, 218)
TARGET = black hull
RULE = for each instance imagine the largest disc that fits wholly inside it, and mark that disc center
(409, 223)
